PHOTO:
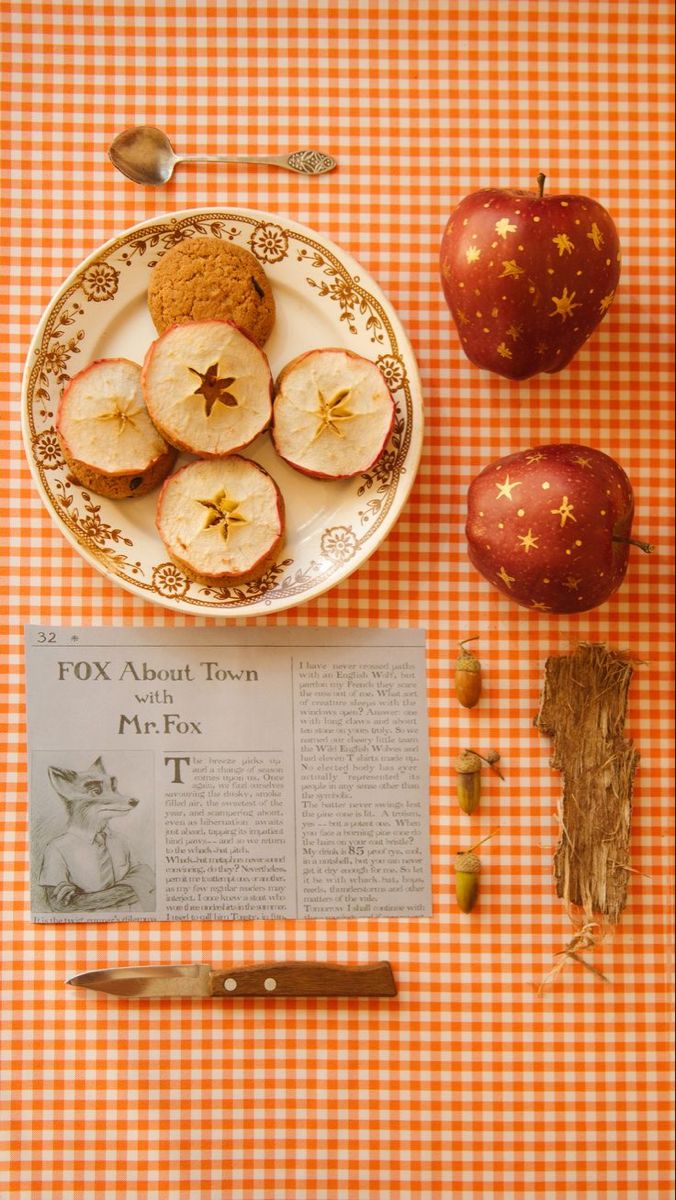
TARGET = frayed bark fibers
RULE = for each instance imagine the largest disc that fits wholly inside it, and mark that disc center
(583, 709)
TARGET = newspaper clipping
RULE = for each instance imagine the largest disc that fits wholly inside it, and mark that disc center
(210, 774)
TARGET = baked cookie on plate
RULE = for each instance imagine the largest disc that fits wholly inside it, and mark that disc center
(202, 278)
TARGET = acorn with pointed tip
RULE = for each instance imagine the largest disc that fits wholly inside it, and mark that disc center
(467, 676)
(467, 871)
(468, 767)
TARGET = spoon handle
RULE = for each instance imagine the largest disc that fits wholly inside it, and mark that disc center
(302, 162)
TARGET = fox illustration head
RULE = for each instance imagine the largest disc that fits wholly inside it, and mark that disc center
(90, 797)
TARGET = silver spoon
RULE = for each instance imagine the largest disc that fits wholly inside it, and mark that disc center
(146, 155)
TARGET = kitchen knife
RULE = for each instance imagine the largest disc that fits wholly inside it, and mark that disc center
(269, 979)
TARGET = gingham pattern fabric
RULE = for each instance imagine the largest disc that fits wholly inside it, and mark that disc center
(470, 1084)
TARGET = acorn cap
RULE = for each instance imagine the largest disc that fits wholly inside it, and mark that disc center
(467, 863)
(467, 661)
(467, 763)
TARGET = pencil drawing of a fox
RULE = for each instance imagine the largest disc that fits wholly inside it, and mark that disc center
(89, 866)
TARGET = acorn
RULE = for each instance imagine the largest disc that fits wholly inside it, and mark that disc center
(467, 871)
(467, 676)
(468, 766)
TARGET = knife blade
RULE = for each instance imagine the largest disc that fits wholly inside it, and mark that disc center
(267, 979)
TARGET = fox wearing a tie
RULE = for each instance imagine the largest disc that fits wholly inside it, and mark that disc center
(89, 866)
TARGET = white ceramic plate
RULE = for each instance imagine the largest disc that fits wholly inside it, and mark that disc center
(323, 298)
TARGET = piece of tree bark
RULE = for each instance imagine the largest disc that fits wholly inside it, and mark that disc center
(583, 709)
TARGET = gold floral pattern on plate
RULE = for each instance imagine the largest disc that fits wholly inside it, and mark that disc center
(326, 299)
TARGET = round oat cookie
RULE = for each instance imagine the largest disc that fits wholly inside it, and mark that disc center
(204, 278)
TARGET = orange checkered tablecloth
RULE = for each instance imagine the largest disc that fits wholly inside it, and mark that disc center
(471, 1083)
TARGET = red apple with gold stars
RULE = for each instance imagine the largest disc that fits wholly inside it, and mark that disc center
(528, 277)
(550, 527)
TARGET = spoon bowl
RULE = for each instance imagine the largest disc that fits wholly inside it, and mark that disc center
(145, 155)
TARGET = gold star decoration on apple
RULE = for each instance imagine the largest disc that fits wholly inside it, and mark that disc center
(564, 305)
(565, 512)
(508, 580)
(563, 244)
(528, 541)
(503, 227)
(506, 488)
(511, 270)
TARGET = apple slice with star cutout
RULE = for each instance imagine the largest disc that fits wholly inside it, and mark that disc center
(332, 413)
(106, 436)
(550, 526)
(208, 387)
(221, 519)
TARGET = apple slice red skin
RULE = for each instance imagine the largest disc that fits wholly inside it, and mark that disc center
(118, 485)
(363, 467)
(175, 441)
(511, 260)
(522, 499)
(254, 568)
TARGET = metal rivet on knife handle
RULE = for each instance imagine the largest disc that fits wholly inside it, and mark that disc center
(307, 979)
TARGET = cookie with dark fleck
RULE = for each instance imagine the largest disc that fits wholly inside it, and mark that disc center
(204, 278)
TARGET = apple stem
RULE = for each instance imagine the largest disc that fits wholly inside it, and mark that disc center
(541, 183)
(646, 547)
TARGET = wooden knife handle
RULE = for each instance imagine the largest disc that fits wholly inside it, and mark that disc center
(305, 979)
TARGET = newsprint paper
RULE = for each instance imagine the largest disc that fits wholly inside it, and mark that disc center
(215, 774)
